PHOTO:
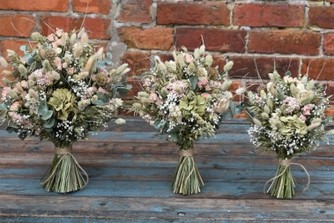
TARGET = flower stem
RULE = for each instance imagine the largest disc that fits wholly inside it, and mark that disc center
(187, 179)
(64, 175)
(283, 184)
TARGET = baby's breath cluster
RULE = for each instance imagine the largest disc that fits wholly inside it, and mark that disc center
(288, 114)
(61, 89)
(186, 97)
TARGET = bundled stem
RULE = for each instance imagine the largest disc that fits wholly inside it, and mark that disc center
(283, 184)
(64, 174)
(187, 179)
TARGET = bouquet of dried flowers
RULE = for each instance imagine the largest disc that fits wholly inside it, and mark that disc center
(185, 98)
(60, 90)
(288, 116)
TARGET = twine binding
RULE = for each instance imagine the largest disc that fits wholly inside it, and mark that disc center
(186, 153)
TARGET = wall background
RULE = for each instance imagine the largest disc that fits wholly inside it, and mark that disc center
(296, 35)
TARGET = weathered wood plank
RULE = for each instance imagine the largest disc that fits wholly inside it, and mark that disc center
(162, 189)
(167, 160)
(180, 209)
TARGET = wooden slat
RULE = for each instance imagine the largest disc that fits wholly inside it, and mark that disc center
(169, 209)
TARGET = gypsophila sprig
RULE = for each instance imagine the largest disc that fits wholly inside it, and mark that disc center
(60, 89)
(288, 117)
(185, 98)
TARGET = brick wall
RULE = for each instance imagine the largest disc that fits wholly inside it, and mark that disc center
(296, 35)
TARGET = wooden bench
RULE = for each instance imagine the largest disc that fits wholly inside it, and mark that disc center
(131, 170)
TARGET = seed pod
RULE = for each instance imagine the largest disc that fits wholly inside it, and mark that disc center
(266, 109)
(257, 122)
(264, 115)
(270, 104)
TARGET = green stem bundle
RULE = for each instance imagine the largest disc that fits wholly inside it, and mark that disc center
(283, 184)
(64, 174)
(187, 179)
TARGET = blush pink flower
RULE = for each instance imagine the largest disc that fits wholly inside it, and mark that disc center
(206, 95)
(302, 117)
(307, 109)
(201, 83)
(5, 92)
(188, 58)
(70, 70)
(15, 106)
(57, 63)
(153, 96)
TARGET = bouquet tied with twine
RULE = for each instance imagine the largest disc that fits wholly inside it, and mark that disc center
(185, 98)
(60, 90)
(288, 118)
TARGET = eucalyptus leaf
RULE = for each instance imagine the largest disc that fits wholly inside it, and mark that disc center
(122, 90)
(11, 129)
(3, 106)
(193, 81)
(98, 102)
(24, 48)
(102, 97)
(48, 114)
(43, 110)
(159, 124)
(48, 124)
(28, 58)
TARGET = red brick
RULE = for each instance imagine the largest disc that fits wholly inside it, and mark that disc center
(92, 6)
(329, 43)
(330, 91)
(139, 62)
(13, 45)
(152, 38)
(285, 42)
(35, 5)
(248, 67)
(319, 68)
(193, 13)
(135, 11)
(330, 110)
(165, 56)
(16, 25)
(214, 39)
(97, 28)
(260, 15)
(322, 16)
